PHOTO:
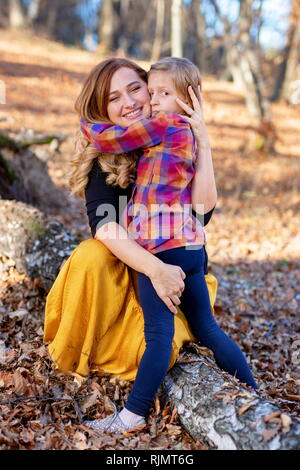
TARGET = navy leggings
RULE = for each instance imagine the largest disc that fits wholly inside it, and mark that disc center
(159, 329)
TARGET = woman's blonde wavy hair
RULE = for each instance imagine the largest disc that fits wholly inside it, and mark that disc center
(91, 105)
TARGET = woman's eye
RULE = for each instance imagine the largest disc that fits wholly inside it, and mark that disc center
(114, 98)
(136, 88)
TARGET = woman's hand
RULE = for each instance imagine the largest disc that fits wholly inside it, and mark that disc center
(167, 281)
(197, 118)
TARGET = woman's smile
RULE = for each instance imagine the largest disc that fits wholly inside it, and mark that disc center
(136, 113)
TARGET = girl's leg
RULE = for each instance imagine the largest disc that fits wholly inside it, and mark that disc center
(195, 305)
(159, 332)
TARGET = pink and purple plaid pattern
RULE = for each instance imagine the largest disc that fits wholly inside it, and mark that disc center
(159, 214)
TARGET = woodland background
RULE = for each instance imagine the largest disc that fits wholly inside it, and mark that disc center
(249, 57)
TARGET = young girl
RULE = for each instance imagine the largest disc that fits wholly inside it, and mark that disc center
(159, 217)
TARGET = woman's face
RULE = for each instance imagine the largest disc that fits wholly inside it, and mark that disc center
(129, 99)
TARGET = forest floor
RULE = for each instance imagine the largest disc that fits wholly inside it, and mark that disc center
(253, 247)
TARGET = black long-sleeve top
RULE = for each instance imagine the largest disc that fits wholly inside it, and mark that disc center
(98, 192)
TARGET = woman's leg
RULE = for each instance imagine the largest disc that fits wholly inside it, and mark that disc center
(195, 305)
(90, 313)
(159, 332)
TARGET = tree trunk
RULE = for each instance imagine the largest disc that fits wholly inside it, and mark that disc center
(16, 14)
(123, 21)
(246, 73)
(190, 31)
(277, 88)
(37, 244)
(52, 14)
(292, 73)
(176, 33)
(243, 61)
(106, 27)
(216, 408)
(289, 67)
(33, 11)
(112, 26)
(160, 18)
(250, 67)
(200, 33)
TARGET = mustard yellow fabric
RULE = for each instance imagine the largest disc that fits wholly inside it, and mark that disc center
(93, 319)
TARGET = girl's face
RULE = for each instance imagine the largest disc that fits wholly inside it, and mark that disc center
(163, 93)
(129, 99)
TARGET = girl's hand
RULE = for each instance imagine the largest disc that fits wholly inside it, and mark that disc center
(168, 284)
(147, 112)
(197, 118)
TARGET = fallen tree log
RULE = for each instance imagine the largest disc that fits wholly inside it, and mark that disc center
(28, 140)
(216, 408)
(23, 176)
(37, 244)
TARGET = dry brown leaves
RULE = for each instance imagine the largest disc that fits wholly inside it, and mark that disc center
(42, 408)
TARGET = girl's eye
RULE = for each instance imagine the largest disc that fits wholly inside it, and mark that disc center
(164, 93)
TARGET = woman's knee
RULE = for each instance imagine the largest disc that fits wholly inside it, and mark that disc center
(92, 252)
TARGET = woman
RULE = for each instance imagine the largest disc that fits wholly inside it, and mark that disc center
(93, 319)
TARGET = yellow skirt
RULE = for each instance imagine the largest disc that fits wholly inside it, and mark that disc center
(93, 318)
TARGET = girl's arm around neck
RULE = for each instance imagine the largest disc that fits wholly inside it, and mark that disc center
(141, 134)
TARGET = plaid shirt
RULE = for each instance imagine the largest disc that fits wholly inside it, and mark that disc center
(159, 214)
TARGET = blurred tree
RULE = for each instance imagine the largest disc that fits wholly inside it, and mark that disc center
(158, 37)
(166, 36)
(149, 29)
(176, 30)
(118, 31)
(59, 20)
(33, 11)
(108, 22)
(17, 16)
(22, 15)
(243, 58)
(194, 33)
(288, 80)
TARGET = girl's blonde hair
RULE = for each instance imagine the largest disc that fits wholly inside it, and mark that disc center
(91, 105)
(184, 74)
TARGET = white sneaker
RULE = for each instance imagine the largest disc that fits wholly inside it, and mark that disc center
(112, 423)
